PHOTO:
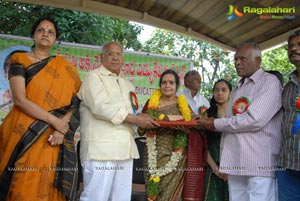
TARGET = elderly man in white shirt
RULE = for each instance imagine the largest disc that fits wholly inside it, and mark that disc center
(106, 117)
(192, 83)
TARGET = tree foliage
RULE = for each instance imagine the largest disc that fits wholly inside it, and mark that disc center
(213, 63)
(277, 59)
(74, 26)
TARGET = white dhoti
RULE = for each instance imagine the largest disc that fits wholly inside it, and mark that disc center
(247, 188)
(107, 180)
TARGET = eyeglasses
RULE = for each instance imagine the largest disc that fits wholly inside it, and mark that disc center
(111, 54)
(43, 31)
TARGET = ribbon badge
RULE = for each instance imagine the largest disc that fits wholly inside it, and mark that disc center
(297, 109)
(202, 109)
(134, 102)
(240, 105)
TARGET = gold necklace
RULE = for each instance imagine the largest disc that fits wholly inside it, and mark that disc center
(38, 59)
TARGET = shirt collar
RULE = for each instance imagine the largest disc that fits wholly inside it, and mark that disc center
(254, 77)
(293, 77)
(106, 72)
(188, 91)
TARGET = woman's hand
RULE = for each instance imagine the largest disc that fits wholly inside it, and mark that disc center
(183, 129)
(56, 138)
(218, 174)
(18, 89)
(197, 117)
(223, 176)
(61, 125)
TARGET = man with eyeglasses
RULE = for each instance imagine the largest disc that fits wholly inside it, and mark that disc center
(289, 159)
(106, 117)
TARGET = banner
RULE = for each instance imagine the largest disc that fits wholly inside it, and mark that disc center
(142, 69)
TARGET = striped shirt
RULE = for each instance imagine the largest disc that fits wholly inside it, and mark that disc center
(250, 141)
(290, 144)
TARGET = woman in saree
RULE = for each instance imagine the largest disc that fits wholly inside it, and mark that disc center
(166, 152)
(216, 188)
(37, 152)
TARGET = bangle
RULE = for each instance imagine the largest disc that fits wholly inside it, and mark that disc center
(62, 133)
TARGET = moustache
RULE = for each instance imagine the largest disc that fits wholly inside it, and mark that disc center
(292, 53)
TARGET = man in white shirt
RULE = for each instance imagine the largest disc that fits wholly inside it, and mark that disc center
(192, 83)
(106, 117)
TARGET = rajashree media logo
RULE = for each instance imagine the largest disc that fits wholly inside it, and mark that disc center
(264, 13)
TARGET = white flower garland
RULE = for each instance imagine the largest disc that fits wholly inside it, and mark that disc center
(152, 159)
(151, 141)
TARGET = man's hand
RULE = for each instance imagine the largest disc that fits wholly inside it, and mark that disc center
(142, 120)
(205, 123)
(145, 121)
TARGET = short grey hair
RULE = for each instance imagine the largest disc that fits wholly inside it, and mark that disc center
(255, 47)
(190, 73)
(106, 45)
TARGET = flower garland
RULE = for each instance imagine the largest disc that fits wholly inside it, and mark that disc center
(179, 145)
(181, 100)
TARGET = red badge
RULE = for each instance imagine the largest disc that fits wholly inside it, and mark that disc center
(240, 105)
(134, 101)
(202, 109)
(297, 104)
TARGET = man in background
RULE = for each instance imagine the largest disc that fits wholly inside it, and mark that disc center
(289, 157)
(192, 83)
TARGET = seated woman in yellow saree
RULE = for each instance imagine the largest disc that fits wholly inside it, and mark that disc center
(37, 152)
